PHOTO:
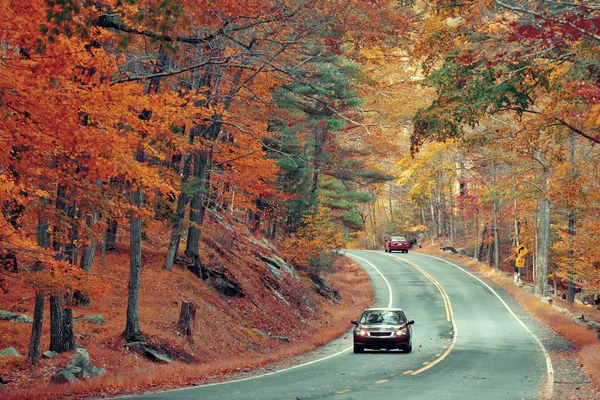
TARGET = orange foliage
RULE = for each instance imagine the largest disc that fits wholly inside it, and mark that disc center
(232, 320)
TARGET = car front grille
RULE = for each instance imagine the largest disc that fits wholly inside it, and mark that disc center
(380, 334)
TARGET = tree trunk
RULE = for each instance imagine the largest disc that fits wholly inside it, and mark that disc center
(483, 232)
(43, 239)
(132, 331)
(571, 228)
(543, 247)
(179, 212)
(201, 165)
(570, 281)
(36, 330)
(111, 235)
(62, 337)
(495, 220)
(187, 318)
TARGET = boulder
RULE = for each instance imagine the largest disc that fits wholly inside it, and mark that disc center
(323, 288)
(8, 316)
(62, 377)
(9, 352)
(584, 298)
(156, 355)
(80, 358)
(95, 319)
(91, 371)
(449, 249)
(50, 354)
(277, 264)
(547, 300)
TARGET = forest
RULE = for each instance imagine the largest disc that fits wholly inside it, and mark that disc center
(311, 125)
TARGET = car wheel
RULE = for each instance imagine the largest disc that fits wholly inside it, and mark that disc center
(358, 349)
(407, 349)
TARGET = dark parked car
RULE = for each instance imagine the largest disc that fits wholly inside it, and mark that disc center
(396, 243)
(383, 328)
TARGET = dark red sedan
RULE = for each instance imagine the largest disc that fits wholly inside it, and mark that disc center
(396, 243)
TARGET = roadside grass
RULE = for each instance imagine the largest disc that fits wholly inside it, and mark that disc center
(583, 338)
(225, 340)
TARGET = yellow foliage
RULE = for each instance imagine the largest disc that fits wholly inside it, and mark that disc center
(316, 238)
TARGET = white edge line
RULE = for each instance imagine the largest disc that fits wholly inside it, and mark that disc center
(550, 381)
(379, 272)
(280, 370)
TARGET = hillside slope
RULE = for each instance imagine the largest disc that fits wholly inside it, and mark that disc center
(252, 309)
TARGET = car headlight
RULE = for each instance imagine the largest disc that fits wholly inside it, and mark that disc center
(361, 332)
(401, 332)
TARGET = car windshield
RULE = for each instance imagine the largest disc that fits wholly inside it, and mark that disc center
(397, 239)
(382, 317)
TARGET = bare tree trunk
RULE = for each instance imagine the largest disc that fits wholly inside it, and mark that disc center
(495, 220)
(570, 281)
(103, 249)
(187, 318)
(476, 251)
(36, 330)
(62, 337)
(391, 204)
(201, 166)
(111, 235)
(132, 331)
(483, 232)
(43, 239)
(571, 229)
(543, 247)
(89, 251)
(180, 211)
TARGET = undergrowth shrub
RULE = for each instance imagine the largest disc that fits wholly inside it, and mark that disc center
(312, 247)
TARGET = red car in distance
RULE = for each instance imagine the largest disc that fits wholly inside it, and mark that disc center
(396, 243)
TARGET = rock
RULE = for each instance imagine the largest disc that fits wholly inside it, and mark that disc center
(95, 319)
(547, 300)
(80, 358)
(8, 316)
(91, 371)
(584, 298)
(156, 356)
(449, 249)
(529, 289)
(135, 346)
(593, 324)
(280, 297)
(323, 288)
(282, 338)
(276, 273)
(50, 354)
(9, 352)
(62, 377)
(73, 369)
(273, 261)
(261, 333)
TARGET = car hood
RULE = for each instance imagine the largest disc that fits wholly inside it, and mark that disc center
(380, 327)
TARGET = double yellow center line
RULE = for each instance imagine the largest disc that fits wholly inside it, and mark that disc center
(449, 317)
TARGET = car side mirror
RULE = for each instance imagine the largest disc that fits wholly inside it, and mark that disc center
(410, 322)
(354, 322)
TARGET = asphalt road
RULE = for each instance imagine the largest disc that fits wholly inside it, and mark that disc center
(467, 344)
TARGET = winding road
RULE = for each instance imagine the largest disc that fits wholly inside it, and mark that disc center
(468, 343)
